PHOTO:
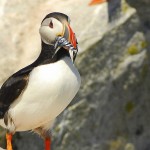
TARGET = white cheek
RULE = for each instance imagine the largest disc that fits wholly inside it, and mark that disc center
(58, 27)
(48, 35)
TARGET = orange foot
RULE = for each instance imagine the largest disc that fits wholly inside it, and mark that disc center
(47, 144)
(9, 140)
(95, 2)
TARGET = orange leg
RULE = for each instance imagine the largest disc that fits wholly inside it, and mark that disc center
(47, 144)
(9, 140)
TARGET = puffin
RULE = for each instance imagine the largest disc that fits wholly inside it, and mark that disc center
(32, 98)
(95, 2)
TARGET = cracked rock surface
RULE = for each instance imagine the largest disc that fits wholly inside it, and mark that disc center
(111, 110)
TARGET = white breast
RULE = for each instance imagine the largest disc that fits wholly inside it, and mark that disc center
(50, 89)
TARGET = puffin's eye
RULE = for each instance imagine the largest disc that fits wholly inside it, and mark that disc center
(51, 24)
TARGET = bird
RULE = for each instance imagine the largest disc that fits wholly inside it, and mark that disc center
(95, 2)
(34, 96)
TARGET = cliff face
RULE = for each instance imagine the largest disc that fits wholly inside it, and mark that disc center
(111, 110)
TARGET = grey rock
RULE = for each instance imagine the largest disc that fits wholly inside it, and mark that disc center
(111, 110)
(143, 10)
(114, 103)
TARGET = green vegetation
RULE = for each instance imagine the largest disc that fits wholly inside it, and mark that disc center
(144, 44)
(124, 6)
(129, 107)
(133, 49)
(117, 144)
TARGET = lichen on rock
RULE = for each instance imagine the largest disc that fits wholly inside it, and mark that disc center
(111, 110)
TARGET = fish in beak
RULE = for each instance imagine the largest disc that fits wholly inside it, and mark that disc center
(67, 39)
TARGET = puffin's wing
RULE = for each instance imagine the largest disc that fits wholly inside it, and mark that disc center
(12, 88)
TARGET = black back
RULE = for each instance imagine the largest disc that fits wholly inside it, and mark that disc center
(15, 85)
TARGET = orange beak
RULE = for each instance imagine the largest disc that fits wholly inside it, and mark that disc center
(67, 40)
(95, 2)
(69, 35)
(72, 37)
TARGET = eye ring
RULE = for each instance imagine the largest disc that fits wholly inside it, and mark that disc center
(51, 24)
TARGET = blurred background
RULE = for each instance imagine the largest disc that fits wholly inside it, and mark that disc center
(112, 108)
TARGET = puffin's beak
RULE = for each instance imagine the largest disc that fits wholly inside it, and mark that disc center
(95, 2)
(67, 39)
(72, 38)
(69, 35)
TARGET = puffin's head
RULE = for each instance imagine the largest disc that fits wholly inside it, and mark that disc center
(56, 25)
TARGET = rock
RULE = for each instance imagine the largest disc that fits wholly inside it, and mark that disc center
(115, 85)
(2, 137)
(111, 111)
(27, 140)
(143, 10)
